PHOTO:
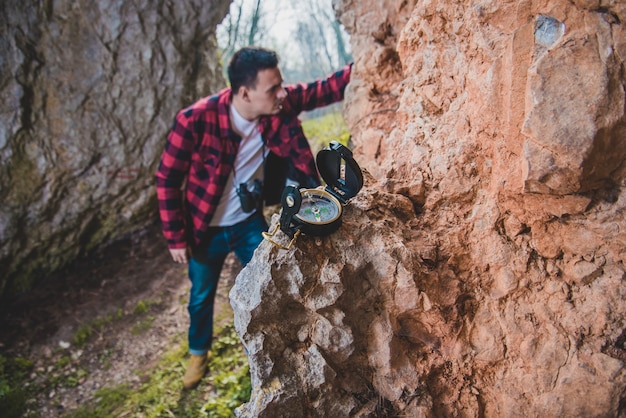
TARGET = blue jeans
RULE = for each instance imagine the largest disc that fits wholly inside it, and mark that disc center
(205, 267)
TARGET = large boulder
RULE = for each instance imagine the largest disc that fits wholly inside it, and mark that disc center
(481, 270)
(88, 93)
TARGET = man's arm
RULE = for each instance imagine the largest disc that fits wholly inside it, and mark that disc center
(320, 92)
(170, 176)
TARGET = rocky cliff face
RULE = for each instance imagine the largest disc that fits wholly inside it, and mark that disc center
(88, 92)
(480, 272)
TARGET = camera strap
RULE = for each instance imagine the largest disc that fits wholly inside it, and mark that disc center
(248, 131)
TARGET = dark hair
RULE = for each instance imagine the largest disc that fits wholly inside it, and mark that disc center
(246, 63)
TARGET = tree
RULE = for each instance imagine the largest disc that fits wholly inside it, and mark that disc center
(246, 24)
(323, 36)
(307, 35)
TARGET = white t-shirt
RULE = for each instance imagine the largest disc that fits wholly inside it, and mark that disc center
(248, 166)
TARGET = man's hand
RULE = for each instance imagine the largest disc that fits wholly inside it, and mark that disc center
(179, 255)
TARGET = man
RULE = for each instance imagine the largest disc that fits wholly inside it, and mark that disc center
(219, 151)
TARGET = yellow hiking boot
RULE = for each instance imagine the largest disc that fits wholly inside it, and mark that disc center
(195, 371)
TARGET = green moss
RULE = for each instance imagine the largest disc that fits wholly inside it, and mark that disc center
(226, 386)
(14, 394)
(143, 306)
(82, 334)
(62, 362)
(104, 359)
(20, 281)
(141, 309)
(23, 171)
(36, 259)
(142, 326)
(106, 227)
(14, 403)
(107, 401)
(230, 375)
(85, 331)
(67, 376)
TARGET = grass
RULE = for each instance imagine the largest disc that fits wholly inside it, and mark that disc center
(85, 331)
(14, 394)
(231, 376)
(226, 386)
(160, 393)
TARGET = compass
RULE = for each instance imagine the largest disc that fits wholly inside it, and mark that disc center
(318, 212)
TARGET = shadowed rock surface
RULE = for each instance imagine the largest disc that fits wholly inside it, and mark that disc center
(88, 92)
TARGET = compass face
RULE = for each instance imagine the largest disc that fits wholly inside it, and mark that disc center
(318, 207)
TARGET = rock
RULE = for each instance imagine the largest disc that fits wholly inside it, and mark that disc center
(89, 92)
(297, 313)
(480, 272)
(575, 113)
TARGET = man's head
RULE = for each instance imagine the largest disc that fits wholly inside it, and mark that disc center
(246, 63)
(256, 82)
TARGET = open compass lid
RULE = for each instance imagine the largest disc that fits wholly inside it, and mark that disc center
(340, 171)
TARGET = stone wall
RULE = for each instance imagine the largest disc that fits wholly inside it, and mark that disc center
(88, 92)
(480, 272)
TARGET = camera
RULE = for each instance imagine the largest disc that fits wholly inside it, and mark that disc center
(251, 197)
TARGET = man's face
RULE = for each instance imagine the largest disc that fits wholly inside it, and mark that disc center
(267, 96)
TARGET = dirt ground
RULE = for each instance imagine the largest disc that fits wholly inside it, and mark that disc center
(113, 283)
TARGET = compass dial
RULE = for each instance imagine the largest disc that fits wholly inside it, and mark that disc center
(319, 207)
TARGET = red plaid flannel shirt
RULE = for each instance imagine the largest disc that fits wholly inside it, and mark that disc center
(201, 149)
